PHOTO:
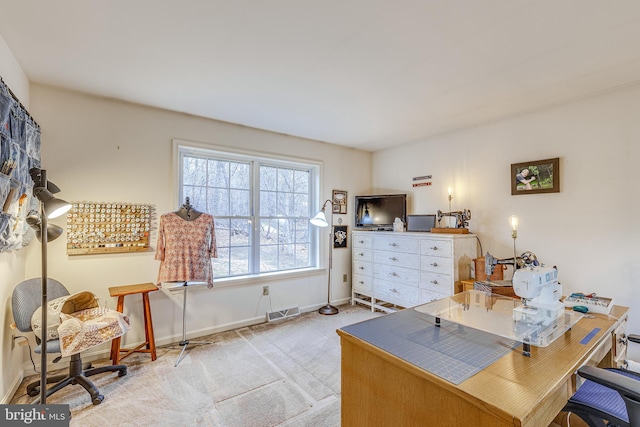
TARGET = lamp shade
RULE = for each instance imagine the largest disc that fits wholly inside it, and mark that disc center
(513, 221)
(320, 220)
(53, 207)
(56, 207)
(53, 231)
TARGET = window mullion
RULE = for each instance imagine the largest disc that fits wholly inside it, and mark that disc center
(255, 214)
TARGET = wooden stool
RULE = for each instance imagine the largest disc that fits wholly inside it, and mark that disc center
(150, 344)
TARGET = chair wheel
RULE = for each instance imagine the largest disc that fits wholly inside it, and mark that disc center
(97, 400)
(33, 393)
(122, 372)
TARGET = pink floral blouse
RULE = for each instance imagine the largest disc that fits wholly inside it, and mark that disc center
(185, 249)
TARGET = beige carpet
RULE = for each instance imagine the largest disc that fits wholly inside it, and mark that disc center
(285, 373)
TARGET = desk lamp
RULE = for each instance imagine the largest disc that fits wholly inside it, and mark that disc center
(320, 220)
(50, 207)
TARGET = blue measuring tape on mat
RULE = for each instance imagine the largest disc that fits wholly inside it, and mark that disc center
(590, 335)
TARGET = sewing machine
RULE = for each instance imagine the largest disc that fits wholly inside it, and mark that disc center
(540, 292)
(462, 217)
(536, 285)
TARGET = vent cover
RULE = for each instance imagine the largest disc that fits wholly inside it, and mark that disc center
(282, 314)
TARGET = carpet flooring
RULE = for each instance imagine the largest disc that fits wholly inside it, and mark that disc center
(284, 373)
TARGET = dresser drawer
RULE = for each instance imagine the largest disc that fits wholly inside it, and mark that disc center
(362, 283)
(361, 254)
(364, 268)
(393, 258)
(396, 274)
(436, 264)
(396, 244)
(436, 282)
(429, 295)
(621, 341)
(406, 296)
(360, 241)
(439, 248)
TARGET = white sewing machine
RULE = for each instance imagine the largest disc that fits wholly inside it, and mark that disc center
(540, 292)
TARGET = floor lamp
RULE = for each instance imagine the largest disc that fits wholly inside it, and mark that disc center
(320, 220)
(50, 207)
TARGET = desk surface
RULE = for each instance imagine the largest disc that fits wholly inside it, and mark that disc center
(381, 389)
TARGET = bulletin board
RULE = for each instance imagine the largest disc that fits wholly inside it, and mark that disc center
(111, 227)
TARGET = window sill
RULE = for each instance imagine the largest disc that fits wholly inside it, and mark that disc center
(267, 277)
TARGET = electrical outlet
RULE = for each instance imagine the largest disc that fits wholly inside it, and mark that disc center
(344, 278)
(265, 290)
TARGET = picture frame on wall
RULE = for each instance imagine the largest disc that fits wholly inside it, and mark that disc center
(339, 202)
(340, 233)
(534, 177)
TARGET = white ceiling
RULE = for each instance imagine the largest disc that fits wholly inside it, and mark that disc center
(361, 73)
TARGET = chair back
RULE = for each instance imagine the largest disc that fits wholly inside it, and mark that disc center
(27, 297)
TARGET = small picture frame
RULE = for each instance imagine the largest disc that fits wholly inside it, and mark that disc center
(540, 176)
(340, 235)
(339, 202)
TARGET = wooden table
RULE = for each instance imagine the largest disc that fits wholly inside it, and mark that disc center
(380, 389)
(149, 344)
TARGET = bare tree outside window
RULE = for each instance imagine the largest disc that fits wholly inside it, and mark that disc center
(261, 210)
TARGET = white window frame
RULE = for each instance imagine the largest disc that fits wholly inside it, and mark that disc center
(181, 147)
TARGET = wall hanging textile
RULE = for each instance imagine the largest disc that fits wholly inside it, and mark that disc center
(19, 152)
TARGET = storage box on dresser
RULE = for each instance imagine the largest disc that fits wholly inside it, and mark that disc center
(406, 269)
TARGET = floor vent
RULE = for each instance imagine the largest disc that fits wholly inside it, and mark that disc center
(282, 314)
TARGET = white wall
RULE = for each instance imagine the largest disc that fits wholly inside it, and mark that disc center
(11, 263)
(589, 230)
(103, 150)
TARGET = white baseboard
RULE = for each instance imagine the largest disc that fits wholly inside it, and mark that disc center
(6, 399)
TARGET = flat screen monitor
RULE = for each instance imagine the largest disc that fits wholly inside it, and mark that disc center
(377, 212)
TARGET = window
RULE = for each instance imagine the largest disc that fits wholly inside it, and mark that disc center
(261, 208)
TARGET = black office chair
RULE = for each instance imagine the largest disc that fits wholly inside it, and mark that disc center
(608, 397)
(25, 300)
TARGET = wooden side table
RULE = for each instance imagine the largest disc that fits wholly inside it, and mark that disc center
(149, 344)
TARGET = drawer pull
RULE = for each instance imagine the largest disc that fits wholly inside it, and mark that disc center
(361, 268)
(394, 290)
(435, 282)
(435, 264)
(361, 282)
(393, 259)
(360, 241)
(361, 254)
(393, 244)
(434, 248)
(394, 274)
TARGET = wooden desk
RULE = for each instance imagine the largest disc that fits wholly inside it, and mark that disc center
(380, 389)
(149, 344)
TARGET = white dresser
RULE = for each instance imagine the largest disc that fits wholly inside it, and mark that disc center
(407, 269)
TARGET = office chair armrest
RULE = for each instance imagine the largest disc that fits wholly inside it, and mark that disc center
(629, 387)
(634, 338)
